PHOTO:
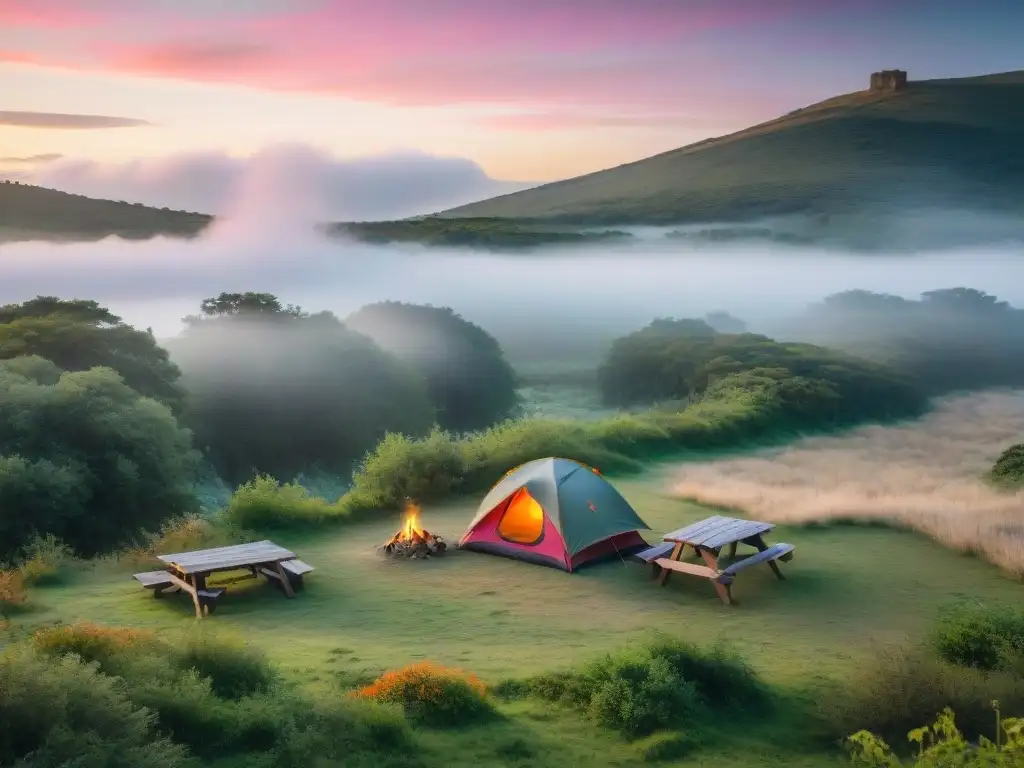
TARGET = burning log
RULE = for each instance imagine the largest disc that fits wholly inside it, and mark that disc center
(411, 541)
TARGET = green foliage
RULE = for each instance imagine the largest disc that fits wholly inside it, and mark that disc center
(666, 683)
(470, 382)
(86, 459)
(432, 694)
(45, 560)
(948, 340)
(234, 669)
(979, 636)
(77, 335)
(215, 697)
(679, 359)
(740, 407)
(63, 712)
(663, 746)
(1009, 467)
(264, 503)
(275, 390)
(906, 686)
(942, 745)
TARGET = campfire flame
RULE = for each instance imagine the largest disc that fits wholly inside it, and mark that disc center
(411, 524)
(412, 540)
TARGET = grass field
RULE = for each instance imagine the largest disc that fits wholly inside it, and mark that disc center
(849, 590)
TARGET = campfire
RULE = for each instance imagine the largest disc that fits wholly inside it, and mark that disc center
(412, 541)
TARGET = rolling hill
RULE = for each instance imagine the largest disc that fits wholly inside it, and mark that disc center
(844, 164)
(942, 143)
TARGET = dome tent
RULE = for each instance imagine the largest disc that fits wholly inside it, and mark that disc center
(555, 512)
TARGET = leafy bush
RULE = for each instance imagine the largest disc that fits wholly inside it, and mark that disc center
(234, 669)
(64, 712)
(1009, 467)
(667, 682)
(216, 698)
(182, 534)
(906, 686)
(432, 694)
(265, 503)
(942, 744)
(86, 459)
(45, 559)
(471, 384)
(983, 637)
(12, 591)
(742, 407)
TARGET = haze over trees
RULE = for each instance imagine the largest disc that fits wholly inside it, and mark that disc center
(274, 389)
(471, 383)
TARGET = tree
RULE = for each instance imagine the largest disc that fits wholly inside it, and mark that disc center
(470, 381)
(77, 335)
(86, 458)
(723, 322)
(275, 390)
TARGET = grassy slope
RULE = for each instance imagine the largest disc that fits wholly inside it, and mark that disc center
(848, 587)
(36, 213)
(861, 148)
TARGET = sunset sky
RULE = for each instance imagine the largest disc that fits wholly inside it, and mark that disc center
(529, 89)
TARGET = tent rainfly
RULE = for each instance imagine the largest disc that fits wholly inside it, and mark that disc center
(555, 512)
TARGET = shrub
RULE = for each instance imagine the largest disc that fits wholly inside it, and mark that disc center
(432, 694)
(266, 503)
(906, 686)
(105, 646)
(942, 744)
(233, 668)
(470, 382)
(12, 591)
(64, 712)
(1009, 467)
(983, 637)
(666, 745)
(181, 535)
(667, 682)
(45, 560)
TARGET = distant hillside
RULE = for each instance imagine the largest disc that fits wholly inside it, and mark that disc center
(935, 143)
(36, 213)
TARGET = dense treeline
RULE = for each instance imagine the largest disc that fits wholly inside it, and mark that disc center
(103, 432)
(947, 340)
(99, 425)
(681, 359)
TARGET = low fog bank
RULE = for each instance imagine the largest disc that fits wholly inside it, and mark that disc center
(551, 305)
(387, 186)
(926, 475)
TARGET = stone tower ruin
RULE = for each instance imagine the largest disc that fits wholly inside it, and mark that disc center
(889, 80)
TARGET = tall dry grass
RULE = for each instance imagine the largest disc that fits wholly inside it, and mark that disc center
(927, 475)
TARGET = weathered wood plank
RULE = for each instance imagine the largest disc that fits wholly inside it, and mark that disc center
(652, 554)
(687, 533)
(296, 567)
(741, 529)
(690, 568)
(227, 558)
(765, 556)
(154, 579)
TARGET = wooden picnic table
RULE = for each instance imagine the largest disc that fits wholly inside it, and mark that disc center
(707, 538)
(188, 571)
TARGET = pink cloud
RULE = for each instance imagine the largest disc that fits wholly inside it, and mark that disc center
(414, 52)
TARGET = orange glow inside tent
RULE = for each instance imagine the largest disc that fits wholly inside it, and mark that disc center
(523, 520)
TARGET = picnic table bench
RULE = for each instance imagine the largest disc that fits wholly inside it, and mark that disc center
(707, 538)
(188, 571)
